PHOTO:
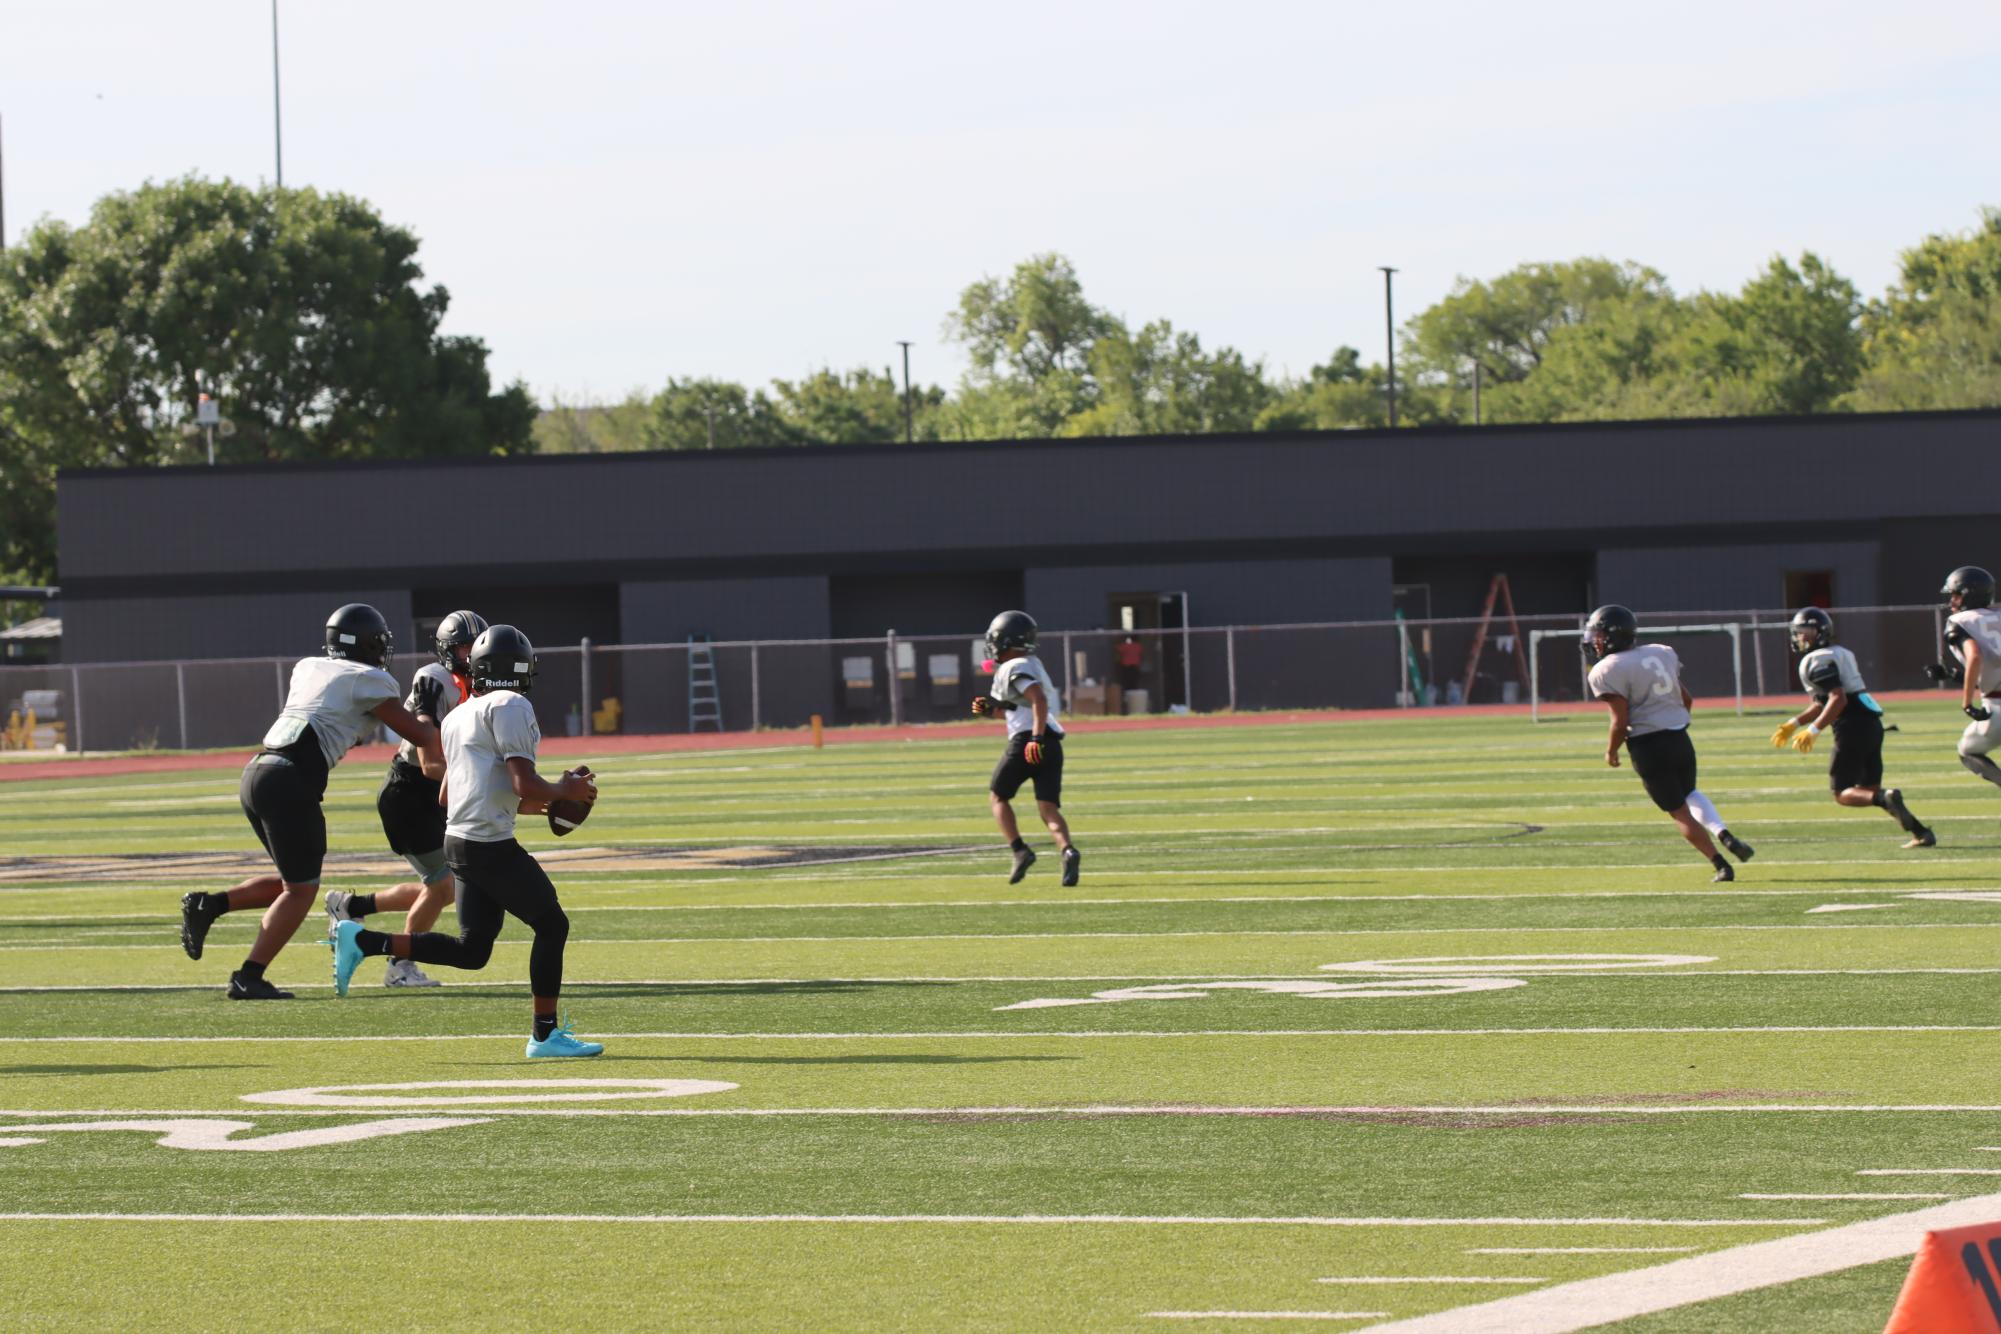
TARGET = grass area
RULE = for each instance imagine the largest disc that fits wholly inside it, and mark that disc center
(1338, 1010)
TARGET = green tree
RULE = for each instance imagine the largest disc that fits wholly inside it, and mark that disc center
(1934, 340)
(299, 312)
(1159, 382)
(595, 428)
(1030, 338)
(1506, 325)
(719, 414)
(858, 407)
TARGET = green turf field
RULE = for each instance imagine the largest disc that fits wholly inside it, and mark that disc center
(1347, 1023)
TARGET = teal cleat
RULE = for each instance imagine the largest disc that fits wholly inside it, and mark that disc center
(563, 1042)
(347, 954)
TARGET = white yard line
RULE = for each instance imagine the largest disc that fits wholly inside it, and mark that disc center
(1435, 1278)
(1499, 929)
(1272, 1110)
(1591, 1302)
(1852, 1195)
(1266, 1315)
(1170, 1220)
(991, 1035)
(1930, 1172)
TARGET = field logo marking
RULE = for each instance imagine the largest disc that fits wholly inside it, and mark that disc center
(1385, 989)
(545, 1090)
(1517, 963)
(212, 1135)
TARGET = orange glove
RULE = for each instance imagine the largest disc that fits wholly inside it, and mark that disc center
(1032, 752)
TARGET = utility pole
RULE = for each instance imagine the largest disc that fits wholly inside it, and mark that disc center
(277, 105)
(1476, 391)
(1389, 333)
(909, 431)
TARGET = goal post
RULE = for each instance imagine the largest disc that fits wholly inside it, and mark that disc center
(1733, 629)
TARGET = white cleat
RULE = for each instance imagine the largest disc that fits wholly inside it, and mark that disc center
(404, 973)
(337, 901)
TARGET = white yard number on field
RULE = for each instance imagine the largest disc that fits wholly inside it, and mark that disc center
(207, 1133)
(1388, 989)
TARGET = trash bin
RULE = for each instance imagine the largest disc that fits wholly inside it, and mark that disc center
(1136, 701)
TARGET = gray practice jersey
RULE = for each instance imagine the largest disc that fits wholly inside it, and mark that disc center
(1649, 678)
(434, 693)
(1983, 624)
(1011, 682)
(480, 737)
(335, 697)
(1834, 668)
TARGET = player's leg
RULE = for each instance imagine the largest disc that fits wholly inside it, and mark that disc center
(521, 886)
(1008, 776)
(1975, 744)
(1856, 774)
(284, 808)
(199, 910)
(480, 919)
(1665, 763)
(1048, 780)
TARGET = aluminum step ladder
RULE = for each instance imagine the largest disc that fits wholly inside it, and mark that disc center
(705, 703)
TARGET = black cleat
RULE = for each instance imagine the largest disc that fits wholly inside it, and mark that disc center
(1723, 874)
(1922, 837)
(254, 988)
(195, 922)
(1022, 861)
(1072, 859)
(1737, 847)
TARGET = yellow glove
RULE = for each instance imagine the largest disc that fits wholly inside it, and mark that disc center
(1784, 734)
(1803, 743)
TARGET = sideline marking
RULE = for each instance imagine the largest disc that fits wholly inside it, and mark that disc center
(1930, 1172)
(1588, 1303)
(188, 1133)
(1849, 907)
(1433, 1278)
(580, 1090)
(1038, 1219)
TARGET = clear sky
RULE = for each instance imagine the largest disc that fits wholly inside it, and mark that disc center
(615, 192)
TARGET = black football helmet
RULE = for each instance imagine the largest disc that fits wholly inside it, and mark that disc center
(1011, 630)
(358, 633)
(1974, 585)
(1611, 629)
(502, 659)
(461, 627)
(1816, 620)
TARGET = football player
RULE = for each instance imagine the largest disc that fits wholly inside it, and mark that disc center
(332, 701)
(1973, 633)
(489, 744)
(408, 804)
(1841, 701)
(1641, 685)
(1023, 694)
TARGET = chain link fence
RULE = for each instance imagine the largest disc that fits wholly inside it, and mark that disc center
(893, 680)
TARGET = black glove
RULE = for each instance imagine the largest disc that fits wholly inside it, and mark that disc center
(1940, 673)
(1980, 713)
(988, 707)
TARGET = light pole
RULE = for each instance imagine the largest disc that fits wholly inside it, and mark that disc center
(1389, 333)
(1476, 391)
(909, 431)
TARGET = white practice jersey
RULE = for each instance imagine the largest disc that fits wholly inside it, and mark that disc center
(1982, 624)
(1011, 682)
(434, 693)
(1649, 678)
(335, 697)
(1834, 668)
(480, 737)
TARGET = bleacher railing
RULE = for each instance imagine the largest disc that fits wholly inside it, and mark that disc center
(903, 679)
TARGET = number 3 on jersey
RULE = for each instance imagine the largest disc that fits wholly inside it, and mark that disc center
(1663, 679)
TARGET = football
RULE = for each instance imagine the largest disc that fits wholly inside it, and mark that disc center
(566, 814)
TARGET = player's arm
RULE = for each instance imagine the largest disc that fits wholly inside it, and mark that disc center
(1622, 718)
(417, 731)
(536, 792)
(1969, 689)
(1038, 708)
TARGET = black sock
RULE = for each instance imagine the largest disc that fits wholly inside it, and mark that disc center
(251, 970)
(212, 905)
(360, 905)
(1719, 861)
(1019, 845)
(371, 943)
(1071, 851)
(545, 1024)
(1911, 824)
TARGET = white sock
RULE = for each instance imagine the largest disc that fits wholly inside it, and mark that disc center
(1702, 809)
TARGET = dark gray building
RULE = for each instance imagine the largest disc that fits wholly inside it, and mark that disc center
(930, 539)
